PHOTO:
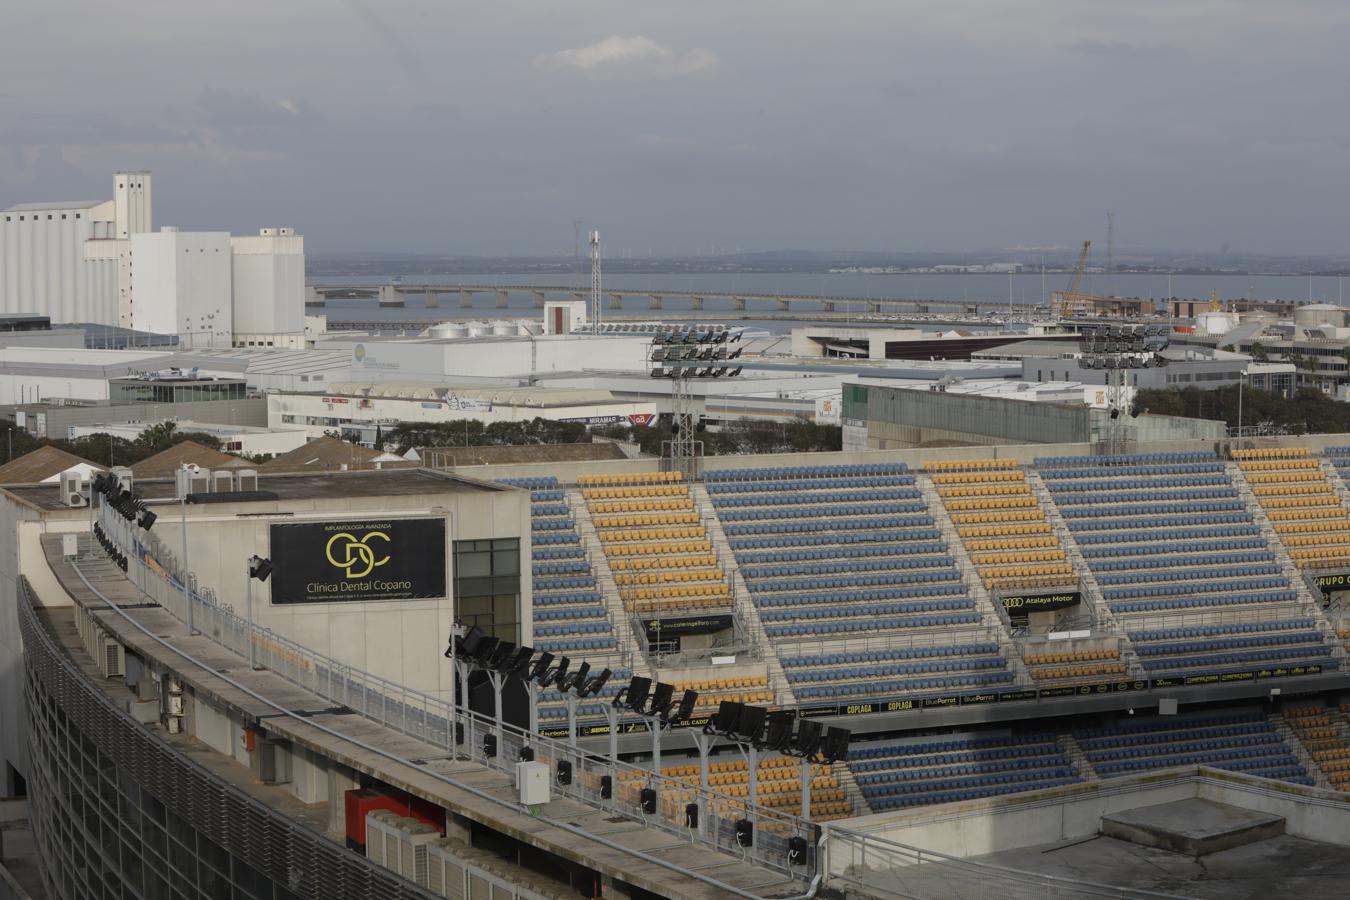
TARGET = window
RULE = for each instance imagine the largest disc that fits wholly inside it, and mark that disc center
(487, 586)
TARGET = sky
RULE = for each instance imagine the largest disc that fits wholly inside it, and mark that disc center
(426, 126)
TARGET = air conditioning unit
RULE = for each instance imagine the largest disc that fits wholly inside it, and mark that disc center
(248, 479)
(70, 489)
(199, 481)
(123, 475)
(445, 870)
(222, 482)
(400, 843)
(111, 657)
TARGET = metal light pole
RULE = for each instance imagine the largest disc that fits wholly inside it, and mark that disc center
(187, 589)
(1241, 380)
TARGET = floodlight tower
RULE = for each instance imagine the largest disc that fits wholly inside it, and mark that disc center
(682, 355)
(595, 282)
(1117, 349)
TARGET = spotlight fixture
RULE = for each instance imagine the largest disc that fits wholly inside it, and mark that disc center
(148, 520)
(564, 772)
(836, 744)
(751, 726)
(662, 697)
(745, 833)
(686, 708)
(519, 663)
(541, 664)
(594, 684)
(638, 689)
(556, 675)
(503, 652)
(807, 742)
(727, 718)
(467, 647)
(576, 679)
(779, 734)
(486, 648)
(259, 568)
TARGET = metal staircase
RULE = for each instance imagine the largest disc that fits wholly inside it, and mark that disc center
(619, 618)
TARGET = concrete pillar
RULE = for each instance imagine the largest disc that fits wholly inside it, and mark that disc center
(389, 295)
(782, 304)
(538, 299)
(433, 299)
(340, 781)
(465, 299)
(458, 828)
(613, 889)
(501, 299)
(696, 303)
(738, 303)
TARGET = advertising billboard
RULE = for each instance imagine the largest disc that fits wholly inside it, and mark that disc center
(363, 559)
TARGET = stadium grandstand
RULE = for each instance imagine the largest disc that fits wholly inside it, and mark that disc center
(870, 647)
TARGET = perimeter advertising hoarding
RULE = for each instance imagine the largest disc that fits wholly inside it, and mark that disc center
(363, 559)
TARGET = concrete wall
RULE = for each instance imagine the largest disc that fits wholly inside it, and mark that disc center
(269, 284)
(182, 286)
(487, 357)
(994, 825)
(20, 528)
(251, 412)
(398, 640)
(42, 267)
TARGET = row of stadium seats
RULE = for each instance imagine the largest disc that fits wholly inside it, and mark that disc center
(776, 498)
(1069, 474)
(895, 775)
(1126, 459)
(1179, 550)
(569, 613)
(779, 786)
(1323, 732)
(815, 484)
(813, 472)
(628, 478)
(1239, 742)
(1300, 503)
(996, 486)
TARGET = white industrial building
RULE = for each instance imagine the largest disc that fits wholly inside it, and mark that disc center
(243, 439)
(101, 262)
(182, 286)
(352, 409)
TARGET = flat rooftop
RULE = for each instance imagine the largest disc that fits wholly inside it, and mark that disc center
(1284, 866)
(305, 486)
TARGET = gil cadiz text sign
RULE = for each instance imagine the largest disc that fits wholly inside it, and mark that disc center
(366, 559)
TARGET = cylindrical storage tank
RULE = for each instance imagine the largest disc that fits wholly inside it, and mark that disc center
(444, 329)
(479, 329)
(505, 328)
(458, 330)
(1315, 314)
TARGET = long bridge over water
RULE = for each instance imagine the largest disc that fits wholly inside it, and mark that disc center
(396, 294)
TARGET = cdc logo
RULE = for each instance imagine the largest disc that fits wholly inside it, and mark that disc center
(358, 558)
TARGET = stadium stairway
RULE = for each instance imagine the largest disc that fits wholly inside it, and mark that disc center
(1310, 606)
(604, 580)
(1295, 738)
(1074, 751)
(1008, 648)
(852, 792)
(740, 595)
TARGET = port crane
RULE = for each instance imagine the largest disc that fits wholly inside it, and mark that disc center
(1063, 299)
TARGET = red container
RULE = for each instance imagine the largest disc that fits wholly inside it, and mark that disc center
(361, 802)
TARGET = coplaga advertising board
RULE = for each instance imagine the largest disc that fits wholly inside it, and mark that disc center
(361, 559)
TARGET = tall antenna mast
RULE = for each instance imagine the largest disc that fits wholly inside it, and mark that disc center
(1111, 254)
(595, 282)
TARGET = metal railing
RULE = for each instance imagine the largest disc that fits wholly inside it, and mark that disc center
(431, 719)
(879, 867)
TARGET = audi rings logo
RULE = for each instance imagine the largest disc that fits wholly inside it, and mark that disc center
(358, 558)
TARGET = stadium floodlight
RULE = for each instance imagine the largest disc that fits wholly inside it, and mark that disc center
(835, 747)
(662, 696)
(576, 679)
(807, 742)
(258, 567)
(727, 718)
(519, 664)
(634, 697)
(500, 655)
(686, 707)
(540, 667)
(779, 734)
(594, 685)
(486, 648)
(751, 726)
(556, 675)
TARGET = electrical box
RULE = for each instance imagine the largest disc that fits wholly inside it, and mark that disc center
(533, 780)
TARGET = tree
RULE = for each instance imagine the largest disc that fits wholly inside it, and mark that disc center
(1259, 352)
(157, 437)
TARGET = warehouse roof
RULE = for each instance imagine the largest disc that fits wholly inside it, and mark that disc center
(41, 464)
